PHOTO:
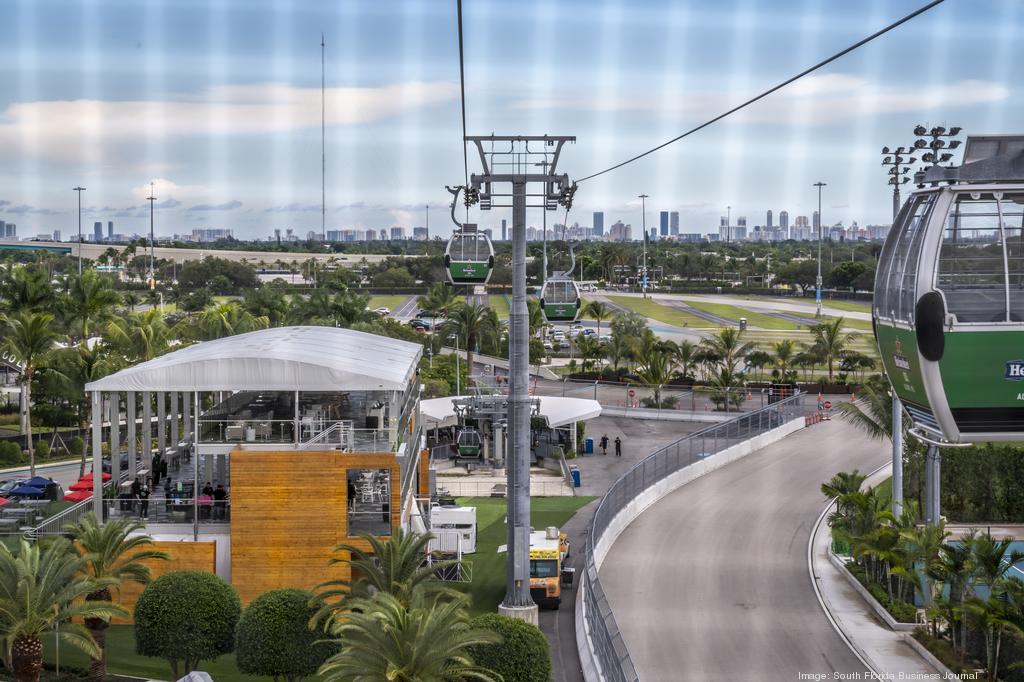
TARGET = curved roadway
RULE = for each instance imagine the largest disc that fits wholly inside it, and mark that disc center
(711, 583)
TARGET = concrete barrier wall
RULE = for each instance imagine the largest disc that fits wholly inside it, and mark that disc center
(588, 660)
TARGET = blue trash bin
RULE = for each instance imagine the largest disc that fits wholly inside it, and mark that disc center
(588, 446)
(575, 473)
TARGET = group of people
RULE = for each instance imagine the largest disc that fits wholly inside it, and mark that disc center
(604, 445)
(219, 496)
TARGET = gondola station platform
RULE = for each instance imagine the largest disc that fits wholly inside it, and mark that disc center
(306, 436)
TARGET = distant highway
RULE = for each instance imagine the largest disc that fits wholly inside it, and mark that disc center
(711, 583)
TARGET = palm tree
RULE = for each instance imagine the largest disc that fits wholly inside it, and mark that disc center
(268, 302)
(90, 299)
(590, 350)
(440, 299)
(830, 342)
(42, 587)
(75, 367)
(728, 348)
(783, 356)
(535, 316)
(923, 546)
(25, 289)
(393, 566)
(130, 299)
(225, 319)
(842, 484)
(684, 354)
(139, 337)
(617, 350)
(994, 617)
(469, 322)
(114, 551)
(655, 371)
(424, 640)
(597, 310)
(27, 340)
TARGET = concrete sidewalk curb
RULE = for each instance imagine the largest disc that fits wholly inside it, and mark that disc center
(588, 658)
(51, 465)
(923, 652)
(879, 610)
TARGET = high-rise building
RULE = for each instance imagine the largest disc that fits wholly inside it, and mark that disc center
(741, 221)
(97, 231)
(504, 230)
(110, 230)
(56, 235)
(420, 234)
(784, 224)
(815, 221)
(334, 235)
(768, 223)
(620, 233)
(277, 235)
(209, 234)
(3, 230)
(663, 223)
(598, 223)
(673, 223)
(397, 233)
(383, 235)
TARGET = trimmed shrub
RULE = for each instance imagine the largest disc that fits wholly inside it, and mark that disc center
(274, 637)
(522, 656)
(186, 617)
(76, 446)
(42, 450)
(10, 453)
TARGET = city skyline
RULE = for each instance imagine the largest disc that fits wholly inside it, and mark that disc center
(225, 120)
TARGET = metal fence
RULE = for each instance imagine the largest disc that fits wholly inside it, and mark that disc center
(602, 630)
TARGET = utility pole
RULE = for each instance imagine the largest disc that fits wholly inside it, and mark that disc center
(643, 222)
(79, 190)
(817, 282)
(509, 165)
(544, 228)
(427, 211)
(152, 239)
(897, 177)
(323, 142)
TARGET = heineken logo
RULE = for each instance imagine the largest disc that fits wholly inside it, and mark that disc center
(898, 358)
(1015, 370)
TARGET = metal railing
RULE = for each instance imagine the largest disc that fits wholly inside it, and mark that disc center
(459, 486)
(602, 630)
(159, 510)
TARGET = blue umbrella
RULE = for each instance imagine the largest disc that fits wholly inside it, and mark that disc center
(26, 491)
(38, 482)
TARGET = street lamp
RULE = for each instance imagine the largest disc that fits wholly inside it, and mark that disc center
(152, 252)
(79, 190)
(817, 292)
(643, 223)
(897, 173)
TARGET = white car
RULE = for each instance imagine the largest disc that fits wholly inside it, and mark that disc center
(382, 311)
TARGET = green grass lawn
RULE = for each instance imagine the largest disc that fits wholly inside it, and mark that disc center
(500, 305)
(392, 302)
(852, 306)
(754, 318)
(661, 313)
(122, 659)
(859, 325)
(488, 586)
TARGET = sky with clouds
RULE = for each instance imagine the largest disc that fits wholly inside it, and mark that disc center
(217, 103)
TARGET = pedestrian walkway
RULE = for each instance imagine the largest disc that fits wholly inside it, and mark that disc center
(883, 650)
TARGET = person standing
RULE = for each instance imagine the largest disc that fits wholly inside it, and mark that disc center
(144, 502)
(618, 446)
(220, 497)
(604, 444)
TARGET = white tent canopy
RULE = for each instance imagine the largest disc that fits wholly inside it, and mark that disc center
(279, 359)
(440, 412)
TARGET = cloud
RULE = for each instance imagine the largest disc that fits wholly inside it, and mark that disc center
(226, 206)
(825, 98)
(402, 217)
(25, 209)
(4, 202)
(291, 208)
(56, 129)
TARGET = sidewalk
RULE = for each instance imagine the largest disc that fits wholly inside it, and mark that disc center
(884, 650)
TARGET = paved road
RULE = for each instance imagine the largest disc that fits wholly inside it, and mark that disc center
(65, 474)
(711, 583)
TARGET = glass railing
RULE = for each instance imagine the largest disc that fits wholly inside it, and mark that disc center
(169, 510)
(247, 430)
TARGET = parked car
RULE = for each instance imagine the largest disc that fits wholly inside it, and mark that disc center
(589, 332)
(383, 311)
(10, 484)
(605, 338)
(420, 324)
(548, 345)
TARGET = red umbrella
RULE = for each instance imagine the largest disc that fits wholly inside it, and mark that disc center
(78, 496)
(4, 500)
(82, 485)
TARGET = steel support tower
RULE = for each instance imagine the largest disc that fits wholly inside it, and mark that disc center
(511, 160)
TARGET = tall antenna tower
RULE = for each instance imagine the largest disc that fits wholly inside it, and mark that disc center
(152, 239)
(323, 142)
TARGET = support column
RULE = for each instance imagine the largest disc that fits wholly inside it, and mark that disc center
(97, 454)
(147, 430)
(161, 423)
(195, 468)
(115, 439)
(186, 422)
(517, 602)
(221, 471)
(296, 425)
(897, 456)
(174, 420)
(932, 485)
(207, 470)
(132, 401)
(499, 445)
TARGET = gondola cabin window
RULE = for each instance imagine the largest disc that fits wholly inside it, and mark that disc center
(981, 262)
(896, 299)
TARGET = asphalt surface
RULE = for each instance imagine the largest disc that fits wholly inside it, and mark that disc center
(711, 583)
(64, 473)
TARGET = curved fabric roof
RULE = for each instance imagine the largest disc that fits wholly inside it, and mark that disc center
(556, 410)
(279, 359)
